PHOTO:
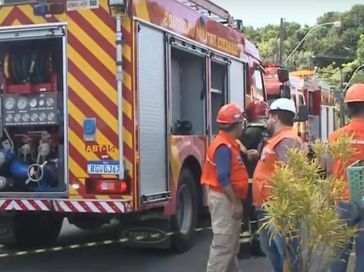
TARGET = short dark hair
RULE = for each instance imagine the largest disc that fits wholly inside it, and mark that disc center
(356, 109)
(286, 117)
(228, 127)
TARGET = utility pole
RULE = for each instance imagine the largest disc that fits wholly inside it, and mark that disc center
(281, 42)
(342, 108)
(335, 24)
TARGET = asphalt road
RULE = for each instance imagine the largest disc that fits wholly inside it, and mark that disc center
(117, 258)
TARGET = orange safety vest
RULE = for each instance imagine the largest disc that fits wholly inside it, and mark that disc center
(354, 129)
(263, 173)
(238, 173)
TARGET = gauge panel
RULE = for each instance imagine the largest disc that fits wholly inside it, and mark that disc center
(33, 109)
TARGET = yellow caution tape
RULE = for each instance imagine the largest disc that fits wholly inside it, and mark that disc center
(245, 237)
(84, 245)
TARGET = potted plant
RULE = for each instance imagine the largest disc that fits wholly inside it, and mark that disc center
(302, 207)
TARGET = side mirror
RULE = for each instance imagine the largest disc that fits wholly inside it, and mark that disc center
(285, 92)
(283, 75)
(302, 114)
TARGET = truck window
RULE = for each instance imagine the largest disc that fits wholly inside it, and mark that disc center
(188, 94)
(301, 100)
(218, 91)
(298, 99)
(259, 83)
(310, 102)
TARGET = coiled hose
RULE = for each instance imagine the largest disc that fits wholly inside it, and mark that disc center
(29, 63)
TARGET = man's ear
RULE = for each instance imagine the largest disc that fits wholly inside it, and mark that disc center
(274, 117)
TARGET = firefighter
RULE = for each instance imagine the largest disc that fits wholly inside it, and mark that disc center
(254, 137)
(354, 99)
(226, 179)
(283, 137)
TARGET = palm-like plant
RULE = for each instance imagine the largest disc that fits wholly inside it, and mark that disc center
(302, 207)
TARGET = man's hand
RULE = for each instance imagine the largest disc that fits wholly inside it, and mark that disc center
(252, 154)
(236, 204)
(237, 209)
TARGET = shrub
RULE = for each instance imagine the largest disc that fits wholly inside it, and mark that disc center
(303, 206)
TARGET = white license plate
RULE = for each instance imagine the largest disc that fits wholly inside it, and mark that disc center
(82, 4)
(103, 168)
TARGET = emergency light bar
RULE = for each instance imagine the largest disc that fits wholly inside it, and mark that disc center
(49, 8)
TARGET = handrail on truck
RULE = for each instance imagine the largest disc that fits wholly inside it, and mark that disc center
(209, 9)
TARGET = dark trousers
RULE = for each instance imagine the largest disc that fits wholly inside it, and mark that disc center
(249, 238)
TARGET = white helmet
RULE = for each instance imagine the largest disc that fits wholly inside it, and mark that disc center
(283, 104)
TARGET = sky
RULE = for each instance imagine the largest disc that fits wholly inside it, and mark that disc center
(259, 13)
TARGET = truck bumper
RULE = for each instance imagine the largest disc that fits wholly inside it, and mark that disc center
(66, 205)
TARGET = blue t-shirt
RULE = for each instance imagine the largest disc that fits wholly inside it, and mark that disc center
(222, 161)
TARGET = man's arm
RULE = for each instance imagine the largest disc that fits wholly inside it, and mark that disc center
(223, 162)
(326, 160)
(282, 148)
(251, 137)
(326, 163)
(223, 167)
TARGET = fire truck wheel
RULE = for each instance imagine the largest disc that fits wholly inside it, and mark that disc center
(37, 229)
(184, 222)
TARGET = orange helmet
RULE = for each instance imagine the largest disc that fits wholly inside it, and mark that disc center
(230, 114)
(355, 93)
(257, 109)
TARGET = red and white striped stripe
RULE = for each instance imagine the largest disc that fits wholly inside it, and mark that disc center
(24, 205)
(65, 205)
(83, 206)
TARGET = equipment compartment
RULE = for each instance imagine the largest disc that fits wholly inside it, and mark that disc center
(32, 109)
(188, 93)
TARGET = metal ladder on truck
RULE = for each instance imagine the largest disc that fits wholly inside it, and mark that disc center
(209, 9)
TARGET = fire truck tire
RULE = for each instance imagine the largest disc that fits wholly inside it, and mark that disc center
(37, 229)
(185, 220)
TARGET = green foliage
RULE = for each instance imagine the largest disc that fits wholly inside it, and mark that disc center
(327, 43)
(303, 205)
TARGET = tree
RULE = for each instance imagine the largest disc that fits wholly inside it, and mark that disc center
(346, 42)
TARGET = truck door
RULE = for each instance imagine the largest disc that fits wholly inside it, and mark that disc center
(152, 114)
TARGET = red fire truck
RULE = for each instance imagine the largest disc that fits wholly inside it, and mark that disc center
(310, 92)
(107, 108)
(321, 102)
(280, 84)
